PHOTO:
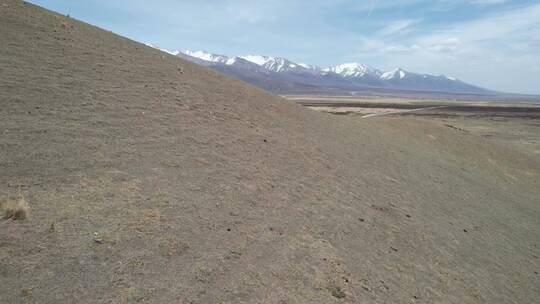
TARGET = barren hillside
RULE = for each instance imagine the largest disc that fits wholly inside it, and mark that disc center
(150, 179)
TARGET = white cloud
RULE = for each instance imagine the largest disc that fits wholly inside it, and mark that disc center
(398, 26)
(505, 27)
(488, 2)
(499, 51)
(495, 33)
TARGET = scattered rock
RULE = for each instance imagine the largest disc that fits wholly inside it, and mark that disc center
(380, 208)
(97, 238)
(169, 247)
(203, 274)
(455, 128)
(26, 292)
(233, 254)
(337, 292)
(52, 228)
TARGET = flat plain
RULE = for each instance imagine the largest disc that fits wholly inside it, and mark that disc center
(508, 122)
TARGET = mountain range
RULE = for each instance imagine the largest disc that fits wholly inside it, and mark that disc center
(283, 76)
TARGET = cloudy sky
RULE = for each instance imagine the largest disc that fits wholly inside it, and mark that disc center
(491, 43)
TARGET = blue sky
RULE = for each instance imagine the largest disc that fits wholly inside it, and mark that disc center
(492, 43)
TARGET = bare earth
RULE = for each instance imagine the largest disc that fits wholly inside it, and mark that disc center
(153, 180)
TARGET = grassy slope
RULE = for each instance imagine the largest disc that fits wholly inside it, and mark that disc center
(202, 189)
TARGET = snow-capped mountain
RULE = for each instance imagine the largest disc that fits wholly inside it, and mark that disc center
(394, 74)
(279, 64)
(311, 67)
(257, 59)
(205, 56)
(354, 70)
(175, 53)
(281, 75)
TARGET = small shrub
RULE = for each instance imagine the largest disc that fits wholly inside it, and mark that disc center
(16, 210)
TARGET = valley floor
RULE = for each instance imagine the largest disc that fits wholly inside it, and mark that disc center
(507, 123)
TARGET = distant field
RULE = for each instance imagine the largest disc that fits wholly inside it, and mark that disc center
(507, 122)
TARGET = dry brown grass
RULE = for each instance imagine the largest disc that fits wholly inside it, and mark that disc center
(16, 210)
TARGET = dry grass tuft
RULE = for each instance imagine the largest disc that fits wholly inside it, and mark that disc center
(16, 210)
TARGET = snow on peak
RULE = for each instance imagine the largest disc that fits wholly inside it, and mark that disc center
(274, 64)
(203, 55)
(282, 65)
(257, 59)
(231, 61)
(175, 53)
(394, 74)
(353, 70)
(279, 65)
(309, 67)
